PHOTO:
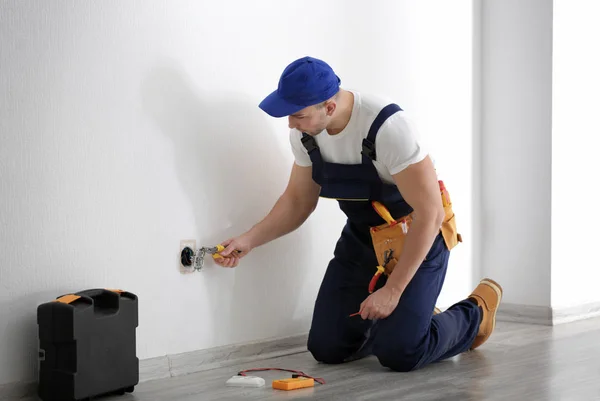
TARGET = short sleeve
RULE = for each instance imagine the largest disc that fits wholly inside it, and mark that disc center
(300, 154)
(398, 144)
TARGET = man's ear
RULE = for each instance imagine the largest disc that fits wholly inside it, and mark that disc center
(330, 106)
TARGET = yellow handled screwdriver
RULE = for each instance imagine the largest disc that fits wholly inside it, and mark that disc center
(214, 251)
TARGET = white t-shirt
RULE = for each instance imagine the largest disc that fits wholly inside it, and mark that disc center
(397, 144)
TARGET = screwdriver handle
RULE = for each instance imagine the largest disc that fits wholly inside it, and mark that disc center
(221, 248)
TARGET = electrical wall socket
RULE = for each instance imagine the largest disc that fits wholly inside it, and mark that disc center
(186, 243)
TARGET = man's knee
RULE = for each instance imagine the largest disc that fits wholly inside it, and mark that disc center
(398, 357)
(324, 350)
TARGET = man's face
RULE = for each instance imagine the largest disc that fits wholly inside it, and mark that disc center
(311, 120)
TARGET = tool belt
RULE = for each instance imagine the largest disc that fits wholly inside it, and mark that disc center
(388, 238)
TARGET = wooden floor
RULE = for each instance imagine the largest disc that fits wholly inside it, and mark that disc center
(519, 362)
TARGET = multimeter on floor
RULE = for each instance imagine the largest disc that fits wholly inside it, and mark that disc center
(293, 383)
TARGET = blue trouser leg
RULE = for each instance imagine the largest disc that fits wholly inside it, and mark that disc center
(334, 336)
(410, 337)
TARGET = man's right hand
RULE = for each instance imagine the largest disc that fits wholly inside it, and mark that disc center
(235, 249)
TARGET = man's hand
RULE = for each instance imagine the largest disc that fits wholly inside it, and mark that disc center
(380, 304)
(235, 249)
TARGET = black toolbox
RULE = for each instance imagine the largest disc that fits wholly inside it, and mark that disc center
(88, 345)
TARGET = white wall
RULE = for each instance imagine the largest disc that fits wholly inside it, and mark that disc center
(128, 126)
(575, 143)
(516, 147)
(540, 90)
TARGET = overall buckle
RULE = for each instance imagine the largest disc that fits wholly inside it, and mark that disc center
(309, 143)
(368, 149)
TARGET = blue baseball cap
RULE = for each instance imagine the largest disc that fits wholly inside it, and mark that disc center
(305, 82)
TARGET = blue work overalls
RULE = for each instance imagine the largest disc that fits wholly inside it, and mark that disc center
(411, 336)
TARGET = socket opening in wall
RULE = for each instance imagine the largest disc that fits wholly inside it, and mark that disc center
(187, 250)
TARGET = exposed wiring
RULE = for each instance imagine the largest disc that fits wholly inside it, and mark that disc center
(296, 373)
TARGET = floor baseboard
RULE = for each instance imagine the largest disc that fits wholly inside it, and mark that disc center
(197, 361)
(545, 315)
(574, 313)
(524, 314)
(17, 391)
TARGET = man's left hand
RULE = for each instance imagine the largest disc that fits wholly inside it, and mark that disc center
(380, 304)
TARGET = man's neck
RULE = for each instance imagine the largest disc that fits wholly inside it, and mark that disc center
(343, 113)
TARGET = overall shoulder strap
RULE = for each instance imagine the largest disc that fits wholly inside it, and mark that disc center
(310, 144)
(368, 145)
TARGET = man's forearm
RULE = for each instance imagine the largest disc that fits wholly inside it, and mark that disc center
(287, 215)
(417, 244)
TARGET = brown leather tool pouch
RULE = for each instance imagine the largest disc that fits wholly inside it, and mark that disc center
(448, 228)
(388, 238)
(388, 242)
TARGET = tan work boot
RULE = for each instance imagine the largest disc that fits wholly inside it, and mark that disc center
(488, 295)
